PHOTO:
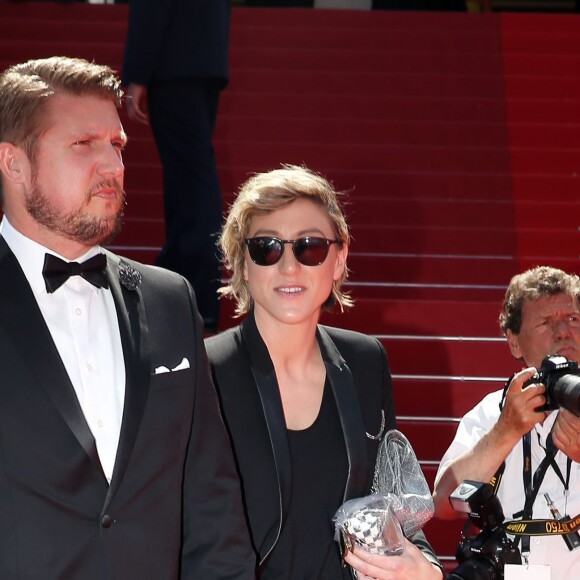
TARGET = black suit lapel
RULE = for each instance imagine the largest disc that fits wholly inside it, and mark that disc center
(267, 384)
(345, 395)
(25, 325)
(135, 341)
(343, 388)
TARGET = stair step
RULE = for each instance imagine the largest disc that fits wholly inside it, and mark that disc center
(370, 20)
(443, 397)
(426, 184)
(368, 106)
(419, 317)
(543, 111)
(404, 158)
(530, 87)
(482, 240)
(454, 357)
(430, 439)
(407, 317)
(554, 24)
(540, 65)
(246, 77)
(22, 49)
(443, 270)
(444, 536)
(364, 132)
(383, 210)
(365, 39)
(392, 132)
(49, 12)
(59, 30)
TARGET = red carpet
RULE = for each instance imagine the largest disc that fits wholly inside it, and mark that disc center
(456, 136)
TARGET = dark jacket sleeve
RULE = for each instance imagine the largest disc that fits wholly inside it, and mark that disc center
(216, 538)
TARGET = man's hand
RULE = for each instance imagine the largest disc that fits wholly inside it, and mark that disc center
(483, 459)
(410, 565)
(566, 434)
(519, 413)
(136, 103)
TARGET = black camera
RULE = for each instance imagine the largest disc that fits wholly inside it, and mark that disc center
(484, 555)
(561, 378)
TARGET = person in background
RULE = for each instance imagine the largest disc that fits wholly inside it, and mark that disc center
(508, 429)
(175, 66)
(306, 405)
(115, 463)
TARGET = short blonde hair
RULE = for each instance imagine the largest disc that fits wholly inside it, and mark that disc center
(264, 193)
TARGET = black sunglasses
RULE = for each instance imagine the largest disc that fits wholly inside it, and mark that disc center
(309, 251)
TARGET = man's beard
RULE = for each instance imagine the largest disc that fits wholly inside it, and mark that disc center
(78, 225)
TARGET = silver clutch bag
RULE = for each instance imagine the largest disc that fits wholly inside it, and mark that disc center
(399, 506)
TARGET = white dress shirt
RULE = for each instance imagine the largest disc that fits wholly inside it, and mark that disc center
(544, 550)
(83, 323)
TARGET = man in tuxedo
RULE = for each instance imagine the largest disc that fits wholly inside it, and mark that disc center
(114, 462)
(175, 66)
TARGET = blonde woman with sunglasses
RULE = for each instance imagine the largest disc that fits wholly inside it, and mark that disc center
(305, 404)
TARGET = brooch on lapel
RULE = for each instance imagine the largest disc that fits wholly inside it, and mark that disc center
(129, 277)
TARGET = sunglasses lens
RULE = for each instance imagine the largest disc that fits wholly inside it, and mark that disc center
(264, 251)
(311, 251)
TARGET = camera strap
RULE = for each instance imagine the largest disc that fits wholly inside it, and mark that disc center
(526, 527)
(532, 485)
(544, 527)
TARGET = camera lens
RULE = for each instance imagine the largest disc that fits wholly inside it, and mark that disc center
(566, 393)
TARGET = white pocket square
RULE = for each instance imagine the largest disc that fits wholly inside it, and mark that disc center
(184, 364)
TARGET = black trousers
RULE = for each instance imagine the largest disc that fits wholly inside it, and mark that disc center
(183, 116)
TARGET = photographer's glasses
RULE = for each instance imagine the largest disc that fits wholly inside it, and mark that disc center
(309, 251)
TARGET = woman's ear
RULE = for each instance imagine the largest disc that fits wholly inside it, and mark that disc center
(340, 263)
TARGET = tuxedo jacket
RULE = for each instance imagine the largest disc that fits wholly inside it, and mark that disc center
(176, 40)
(173, 508)
(358, 372)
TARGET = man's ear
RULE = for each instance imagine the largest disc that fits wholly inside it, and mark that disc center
(514, 344)
(13, 163)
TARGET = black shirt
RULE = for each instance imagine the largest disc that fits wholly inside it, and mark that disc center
(306, 549)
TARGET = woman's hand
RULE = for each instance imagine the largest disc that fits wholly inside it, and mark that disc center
(410, 565)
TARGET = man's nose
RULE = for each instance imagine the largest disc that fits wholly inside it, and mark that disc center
(112, 162)
(562, 328)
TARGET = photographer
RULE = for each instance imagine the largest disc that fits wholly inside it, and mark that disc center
(506, 431)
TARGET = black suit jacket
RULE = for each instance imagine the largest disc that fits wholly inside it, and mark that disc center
(174, 40)
(358, 372)
(173, 508)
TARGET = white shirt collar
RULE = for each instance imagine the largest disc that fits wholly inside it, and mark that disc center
(30, 255)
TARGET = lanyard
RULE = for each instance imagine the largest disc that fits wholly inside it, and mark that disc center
(532, 484)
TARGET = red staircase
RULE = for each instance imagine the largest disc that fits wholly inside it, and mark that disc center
(457, 137)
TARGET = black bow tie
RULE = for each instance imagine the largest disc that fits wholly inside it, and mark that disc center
(56, 271)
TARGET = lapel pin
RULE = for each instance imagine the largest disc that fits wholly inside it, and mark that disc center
(129, 277)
